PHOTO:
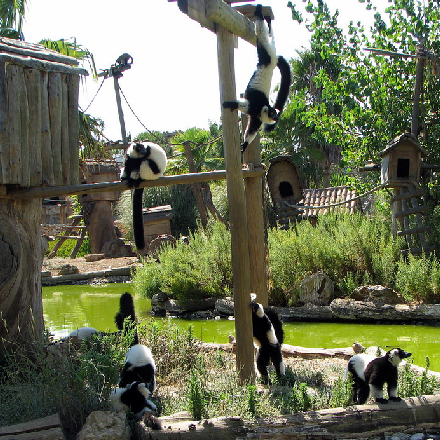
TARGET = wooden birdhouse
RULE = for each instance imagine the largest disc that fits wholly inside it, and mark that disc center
(285, 188)
(402, 159)
(38, 115)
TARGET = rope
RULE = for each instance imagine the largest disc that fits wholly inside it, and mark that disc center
(96, 94)
(383, 185)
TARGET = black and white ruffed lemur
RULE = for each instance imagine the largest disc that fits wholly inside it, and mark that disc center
(256, 98)
(143, 161)
(268, 337)
(370, 374)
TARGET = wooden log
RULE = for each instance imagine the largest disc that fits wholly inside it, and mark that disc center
(62, 279)
(65, 144)
(258, 246)
(73, 129)
(221, 13)
(41, 64)
(46, 428)
(195, 9)
(12, 152)
(413, 414)
(25, 164)
(46, 138)
(33, 85)
(237, 210)
(4, 135)
(55, 108)
(178, 179)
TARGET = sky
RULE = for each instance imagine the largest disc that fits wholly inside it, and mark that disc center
(173, 82)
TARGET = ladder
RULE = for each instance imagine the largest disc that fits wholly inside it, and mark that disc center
(408, 210)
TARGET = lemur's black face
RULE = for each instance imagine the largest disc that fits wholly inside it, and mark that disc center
(139, 148)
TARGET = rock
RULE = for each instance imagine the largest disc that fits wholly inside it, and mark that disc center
(105, 425)
(117, 249)
(224, 306)
(94, 257)
(309, 312)
(377, 294)
(316, 289)
(68, 269)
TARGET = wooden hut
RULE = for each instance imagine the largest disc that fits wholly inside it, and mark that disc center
(285, 189)
(39, 147)
(38, 115)
(402, 160)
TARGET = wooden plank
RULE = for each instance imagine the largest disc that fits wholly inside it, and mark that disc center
(414, 231)
(195, 9)
(237, 210)
(412, 211)
(178, 179)
(221, 13)
(46, 428)
(65, 146)
(46, 138)
(33, 85)
(4, 135)
(26, 166)
(73, 129)
(14, 123)
(55, 106)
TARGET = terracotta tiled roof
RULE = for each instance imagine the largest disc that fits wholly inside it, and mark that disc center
(328, 196)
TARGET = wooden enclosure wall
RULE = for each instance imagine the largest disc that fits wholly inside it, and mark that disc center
(39, 126)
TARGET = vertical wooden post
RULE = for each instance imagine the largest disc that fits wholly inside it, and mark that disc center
(258, 248)
(417, 92)
(237, 209)
(120, 112)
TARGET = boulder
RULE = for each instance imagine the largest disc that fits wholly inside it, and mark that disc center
(317, 289)
(105, 425)
(377, 294)
(68, 269)
(224, 306)
(117, 249)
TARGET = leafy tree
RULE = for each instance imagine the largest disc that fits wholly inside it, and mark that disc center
(356, 99)
(11, 18)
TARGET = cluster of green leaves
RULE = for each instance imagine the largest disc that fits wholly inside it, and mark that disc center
(348, 100)
(412, 384)
(199, 269)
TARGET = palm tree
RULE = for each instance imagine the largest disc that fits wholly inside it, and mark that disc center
(11, 18)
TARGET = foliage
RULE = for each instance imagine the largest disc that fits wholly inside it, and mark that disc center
(37, 381)
(351, 249)
(12, 14)
(199, 269)
(411, 384)
(356, 100)
(418, 279)
(67, 247)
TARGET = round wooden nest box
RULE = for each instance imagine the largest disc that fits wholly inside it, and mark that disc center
(284, 181)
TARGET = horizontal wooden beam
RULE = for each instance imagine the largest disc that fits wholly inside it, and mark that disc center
(52, 191)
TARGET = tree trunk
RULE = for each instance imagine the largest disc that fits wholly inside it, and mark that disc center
(98, 217)
(21, 305)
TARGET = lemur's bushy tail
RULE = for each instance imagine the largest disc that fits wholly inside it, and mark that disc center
(126, 314)
(286, 80)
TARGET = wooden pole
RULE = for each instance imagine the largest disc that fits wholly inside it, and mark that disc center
(258, 247)
(178, 179)
(237, 210)
(120, 112)
(417, 92)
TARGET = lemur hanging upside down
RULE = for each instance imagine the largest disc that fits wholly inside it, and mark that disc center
(256, 97)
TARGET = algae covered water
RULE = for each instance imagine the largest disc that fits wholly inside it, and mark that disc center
(67, 308)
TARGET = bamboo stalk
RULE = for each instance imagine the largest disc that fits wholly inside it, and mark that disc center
(48, 191)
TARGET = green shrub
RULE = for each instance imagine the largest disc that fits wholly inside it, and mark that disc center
(199, 269)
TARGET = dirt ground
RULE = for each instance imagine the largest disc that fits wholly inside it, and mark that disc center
(54, 264)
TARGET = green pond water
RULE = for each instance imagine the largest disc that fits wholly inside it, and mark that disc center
(67, 308)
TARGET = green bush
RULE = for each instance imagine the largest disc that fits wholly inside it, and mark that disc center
(199, 269)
